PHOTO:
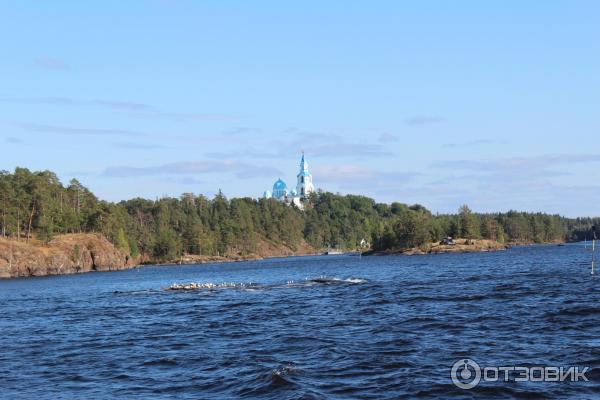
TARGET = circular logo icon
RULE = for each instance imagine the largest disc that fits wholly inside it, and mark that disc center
(466, 373)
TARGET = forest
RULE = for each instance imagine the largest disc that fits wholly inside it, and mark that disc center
(37, 205)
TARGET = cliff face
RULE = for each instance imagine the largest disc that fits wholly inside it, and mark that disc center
(85, 252)
(67, 254)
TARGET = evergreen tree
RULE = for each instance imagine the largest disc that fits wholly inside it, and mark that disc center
(37, 205)
(468, 223)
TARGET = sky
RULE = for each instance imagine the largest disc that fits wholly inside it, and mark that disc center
(442, 103)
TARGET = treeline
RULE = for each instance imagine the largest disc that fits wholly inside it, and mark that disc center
(37, 204)
(415, 226)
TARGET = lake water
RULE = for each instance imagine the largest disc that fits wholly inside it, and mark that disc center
(331, 327)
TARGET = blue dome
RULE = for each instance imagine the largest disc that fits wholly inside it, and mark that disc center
(279, 185)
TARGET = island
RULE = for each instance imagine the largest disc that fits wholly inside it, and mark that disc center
(48, 228)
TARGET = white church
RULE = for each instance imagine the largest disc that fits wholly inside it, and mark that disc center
(304, 187)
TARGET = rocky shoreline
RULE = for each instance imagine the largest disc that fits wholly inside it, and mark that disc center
(459, 246)
(88, 252)
(66, 254)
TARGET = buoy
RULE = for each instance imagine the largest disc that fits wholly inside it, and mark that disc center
(594, 250)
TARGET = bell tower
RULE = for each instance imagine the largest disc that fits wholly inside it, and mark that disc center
(305, 186)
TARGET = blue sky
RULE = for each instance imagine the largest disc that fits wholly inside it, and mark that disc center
(493, 104)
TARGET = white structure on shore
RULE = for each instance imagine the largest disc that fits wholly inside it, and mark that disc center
(304, 187)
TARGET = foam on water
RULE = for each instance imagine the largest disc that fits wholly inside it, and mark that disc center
(210, 286)
(323, 280)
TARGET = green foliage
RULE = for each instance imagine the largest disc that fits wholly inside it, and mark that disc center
(411, 230)
(468, 223)
(167, 228)
(121, 241)
(134, 251)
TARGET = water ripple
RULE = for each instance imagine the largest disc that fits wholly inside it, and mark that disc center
(303, 328)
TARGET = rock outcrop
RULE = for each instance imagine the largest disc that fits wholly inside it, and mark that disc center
(66, 254)
(85, 252)
(459, 246)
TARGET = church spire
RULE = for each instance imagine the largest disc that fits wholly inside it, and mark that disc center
(303, 164)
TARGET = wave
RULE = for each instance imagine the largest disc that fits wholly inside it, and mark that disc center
(576, 311)
(271, 384)
(160, 362)
(333, 281)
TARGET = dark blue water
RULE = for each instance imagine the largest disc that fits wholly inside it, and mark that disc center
(332, 327)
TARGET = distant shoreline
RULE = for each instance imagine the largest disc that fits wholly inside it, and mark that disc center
(458, 246)
(444, 249)
(99, 255)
